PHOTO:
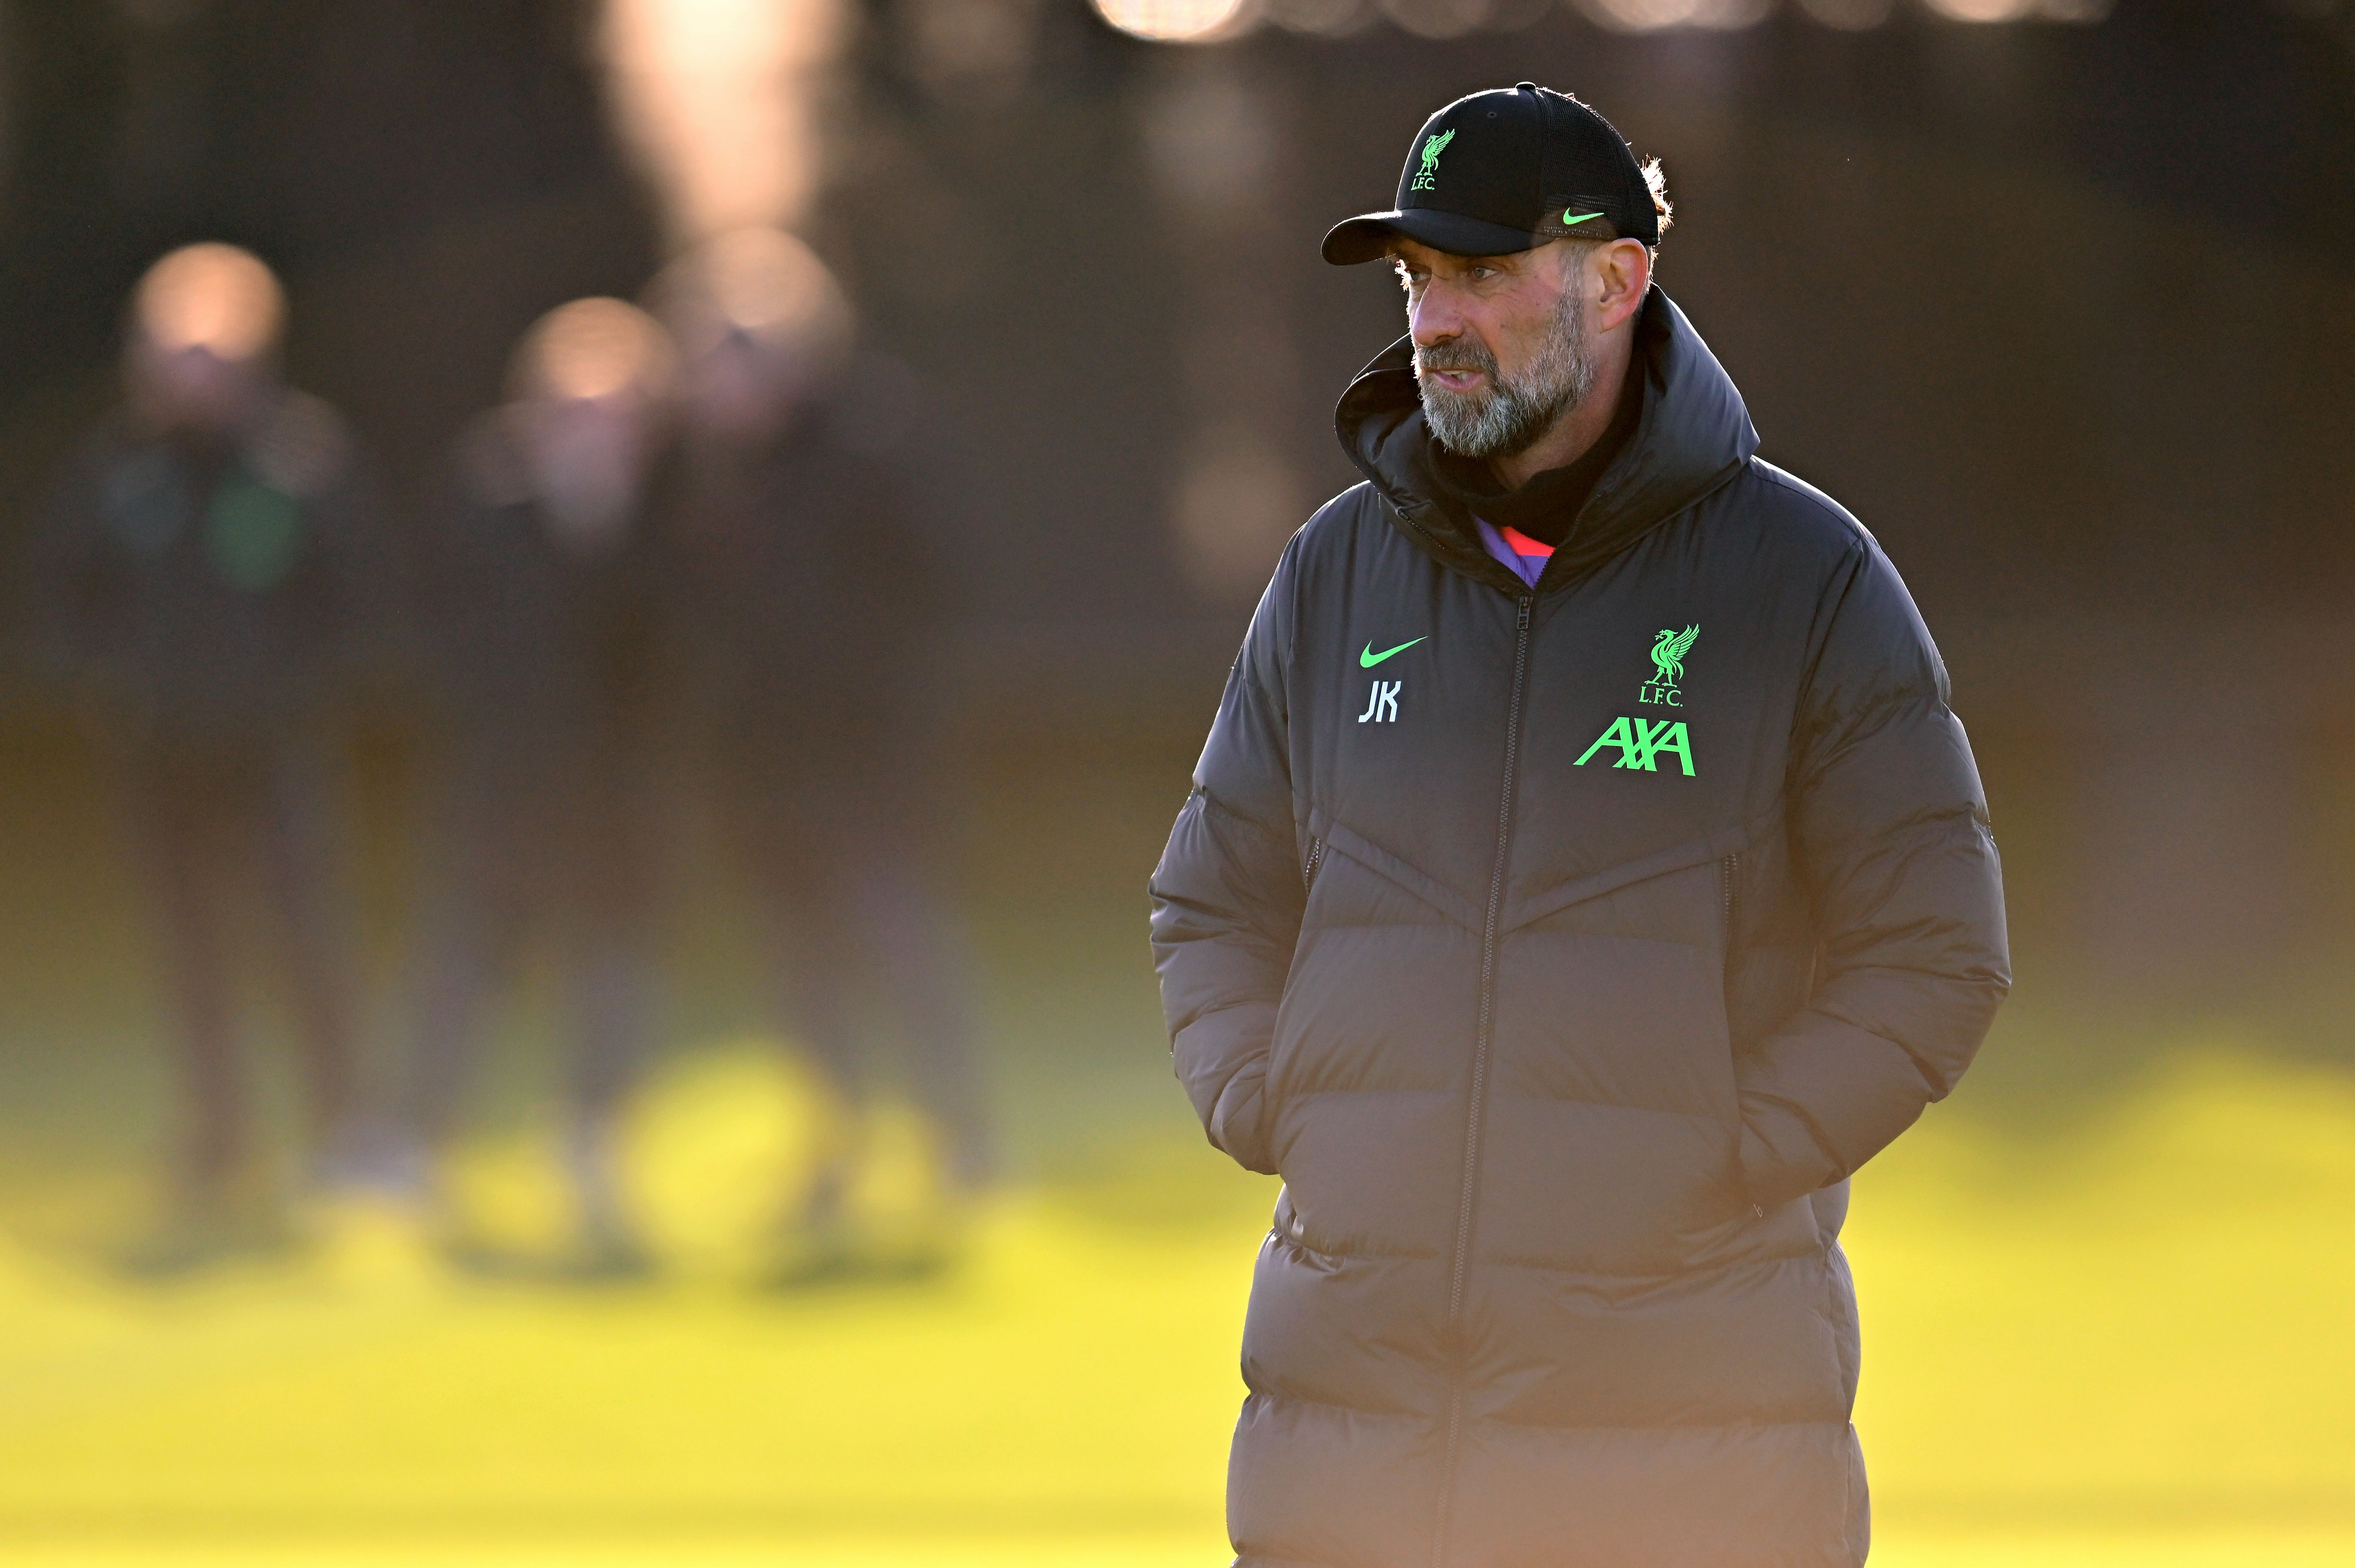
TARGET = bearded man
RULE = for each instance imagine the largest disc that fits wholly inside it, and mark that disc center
(1585, 874)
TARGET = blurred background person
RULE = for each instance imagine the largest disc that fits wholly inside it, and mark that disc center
(200, 586)
(808, 604)
(547, 591)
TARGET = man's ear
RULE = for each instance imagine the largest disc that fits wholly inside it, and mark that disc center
(1623, 269)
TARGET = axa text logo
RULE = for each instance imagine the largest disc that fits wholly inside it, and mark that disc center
(1641, 744)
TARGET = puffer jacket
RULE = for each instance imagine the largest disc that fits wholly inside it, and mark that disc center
(1565, 950)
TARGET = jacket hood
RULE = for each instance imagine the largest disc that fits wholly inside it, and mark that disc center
(1695, 434)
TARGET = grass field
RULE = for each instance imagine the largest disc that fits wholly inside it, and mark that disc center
(2108, 1291)
(2133, 1347)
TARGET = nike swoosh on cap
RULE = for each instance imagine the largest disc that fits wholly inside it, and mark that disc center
(1368, 658)
(1572, 219)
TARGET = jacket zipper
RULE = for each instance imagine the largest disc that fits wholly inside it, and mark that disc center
(1480, 1042)
(1315, 856)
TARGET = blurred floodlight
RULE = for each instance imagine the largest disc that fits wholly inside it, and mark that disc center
(1983, 10)
(1324, 19)
(214, 297)
(764, 281)
(1639, 15)
(591, 349)
(1851, 15)
(1437, 18)
(2079, 11)
(1178, 21)
(1651, 16)
(761, 283)
(717, 99)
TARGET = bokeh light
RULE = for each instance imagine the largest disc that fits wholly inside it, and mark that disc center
(213, 297)
(1178, 21)
(759, 281)
(1636, 15)
(1983, 10)
(591, 349)
(716, 98)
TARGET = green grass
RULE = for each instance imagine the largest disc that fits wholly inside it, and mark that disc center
(2131, 1347)
(2108, 1291)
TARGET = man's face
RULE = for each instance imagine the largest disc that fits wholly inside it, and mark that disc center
(1501, 349)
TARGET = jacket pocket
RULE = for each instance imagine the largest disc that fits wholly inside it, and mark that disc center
(1679, 862)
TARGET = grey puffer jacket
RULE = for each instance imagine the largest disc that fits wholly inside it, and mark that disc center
(1565, 950)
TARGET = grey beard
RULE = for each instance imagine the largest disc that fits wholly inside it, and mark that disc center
(1505, 418)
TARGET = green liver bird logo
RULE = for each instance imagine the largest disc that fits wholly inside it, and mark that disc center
(1669, 653)
(1426, 178)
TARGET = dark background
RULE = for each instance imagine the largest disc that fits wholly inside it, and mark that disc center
(2065, 311)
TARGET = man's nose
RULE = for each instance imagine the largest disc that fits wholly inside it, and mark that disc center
(1434, 318)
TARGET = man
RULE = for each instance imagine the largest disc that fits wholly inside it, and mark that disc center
(201, 586)
(802, 588)
(548, 596)
(1583, 877)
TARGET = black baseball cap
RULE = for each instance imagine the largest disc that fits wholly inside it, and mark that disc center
(1506, 170)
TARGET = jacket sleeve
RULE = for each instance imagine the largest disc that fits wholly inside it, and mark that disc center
(1227, 896)
(1889, 834)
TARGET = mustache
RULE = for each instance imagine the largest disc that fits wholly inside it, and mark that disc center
(1458, 355)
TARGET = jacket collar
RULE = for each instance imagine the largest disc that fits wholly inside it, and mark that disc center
(1695, 434)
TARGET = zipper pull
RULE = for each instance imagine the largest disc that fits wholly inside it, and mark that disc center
(1523, 624)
